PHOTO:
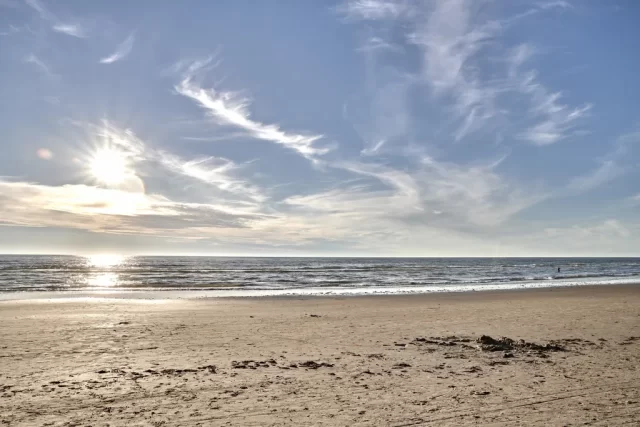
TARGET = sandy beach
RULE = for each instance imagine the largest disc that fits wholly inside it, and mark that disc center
(388, 361)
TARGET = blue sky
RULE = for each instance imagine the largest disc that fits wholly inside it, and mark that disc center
(363, 127)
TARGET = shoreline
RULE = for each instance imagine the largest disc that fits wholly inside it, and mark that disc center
(318, 292)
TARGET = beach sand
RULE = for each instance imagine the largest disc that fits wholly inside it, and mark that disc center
(383, 361)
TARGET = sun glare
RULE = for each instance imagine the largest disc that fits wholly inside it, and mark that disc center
(106, 280)
(105, 261)
(109, 166)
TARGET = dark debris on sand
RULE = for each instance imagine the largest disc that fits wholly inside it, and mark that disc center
(310, 364)
(488, 343)
(253, 364)
(401, 365)
(134, 375)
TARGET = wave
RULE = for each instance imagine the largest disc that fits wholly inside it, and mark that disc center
(297, 284)
(65, 273)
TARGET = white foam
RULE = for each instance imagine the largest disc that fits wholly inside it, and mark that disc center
(156, 295)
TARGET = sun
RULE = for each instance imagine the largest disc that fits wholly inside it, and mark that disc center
(109, 166)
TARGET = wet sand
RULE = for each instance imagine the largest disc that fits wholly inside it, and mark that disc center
(384, 361)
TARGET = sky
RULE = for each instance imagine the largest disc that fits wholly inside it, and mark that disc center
(318, 128)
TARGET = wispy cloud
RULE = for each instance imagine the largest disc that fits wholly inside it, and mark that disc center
(450, 207)
(432, 200)
(217, 172)
(44, 68)
(562, 4)
(228, 109)
(517, 57)
(211, 170)
(12, 29)
(70, 29)
(476, 83)
(430, 194)
(213, 138)
(610, 167)
(81, 199)
(121, 52)
(555, 120)
(451, 41)
(376, 44)
(606, 172)
(374, 9)
(627, 140)
(469, 195)
(460, 50)
(108, 210)
(38, 7)
(382, 119)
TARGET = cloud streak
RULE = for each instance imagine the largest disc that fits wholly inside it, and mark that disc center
(608, 171)
(228, 109)
(455, 44)
(121, 52)
(108, 210)
(611, 166)
(373, 10)
(431, 198)
(38, 7)
(451, 42)
(555, 121)
(44, 68)
(469, 196)
(213, 171)
(70, 30)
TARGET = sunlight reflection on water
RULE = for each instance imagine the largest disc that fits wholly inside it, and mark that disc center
(105, 261)
(103, 280)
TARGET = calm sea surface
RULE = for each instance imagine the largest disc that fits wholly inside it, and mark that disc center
(263, 276)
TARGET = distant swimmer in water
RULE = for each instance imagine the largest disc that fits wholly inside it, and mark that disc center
(558, 269)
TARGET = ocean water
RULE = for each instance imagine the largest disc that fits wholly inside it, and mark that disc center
(221, 276)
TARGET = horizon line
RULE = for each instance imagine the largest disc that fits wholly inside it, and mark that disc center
(317, 256)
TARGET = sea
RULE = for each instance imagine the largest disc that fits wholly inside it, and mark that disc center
(30, 275)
